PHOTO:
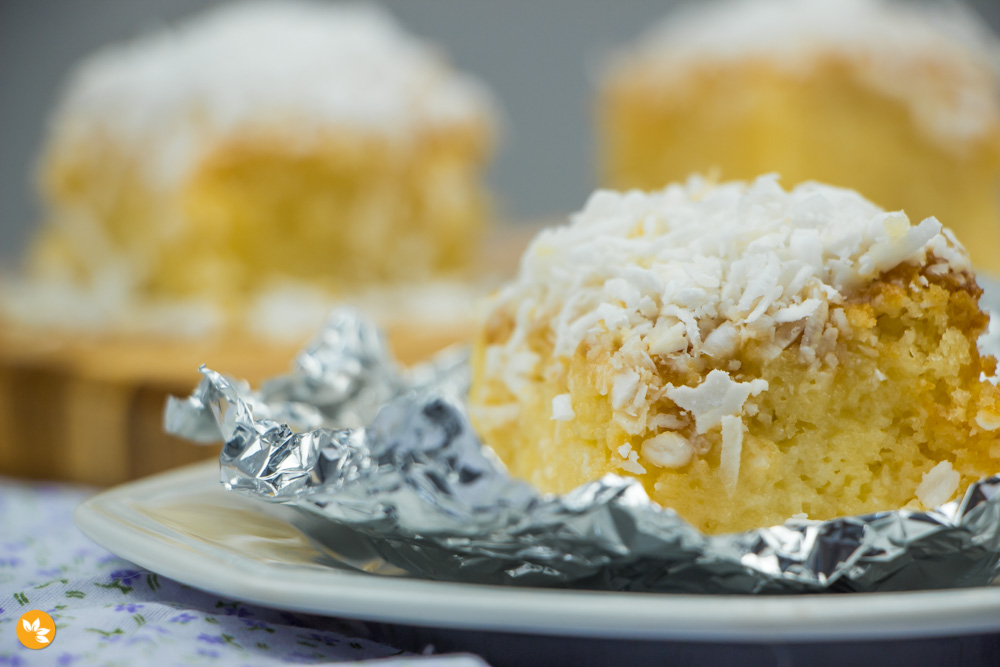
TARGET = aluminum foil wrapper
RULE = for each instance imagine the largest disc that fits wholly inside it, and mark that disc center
(391, 454)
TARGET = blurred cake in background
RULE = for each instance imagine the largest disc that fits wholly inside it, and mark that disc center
(897, 100)
(209, 192)
(263, 143)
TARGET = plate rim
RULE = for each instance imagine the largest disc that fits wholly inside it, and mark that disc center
(113, 524)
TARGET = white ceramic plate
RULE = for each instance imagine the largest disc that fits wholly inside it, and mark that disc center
(184, 525)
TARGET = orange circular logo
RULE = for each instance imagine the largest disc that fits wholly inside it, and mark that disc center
(36, 629)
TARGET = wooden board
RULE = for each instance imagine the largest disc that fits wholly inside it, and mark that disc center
(91, 410)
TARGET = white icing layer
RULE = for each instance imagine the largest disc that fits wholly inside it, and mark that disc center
(298, 66)
(942, 61)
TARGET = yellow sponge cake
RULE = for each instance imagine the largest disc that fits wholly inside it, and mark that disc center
(748, 354)
(897, 100)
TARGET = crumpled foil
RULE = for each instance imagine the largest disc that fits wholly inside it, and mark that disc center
(391, 454)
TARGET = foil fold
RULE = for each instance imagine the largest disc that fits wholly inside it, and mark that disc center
(391, 454)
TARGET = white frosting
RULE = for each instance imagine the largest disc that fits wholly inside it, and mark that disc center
(697, 269)
(297, 66)
(942, 61)
(938, 485)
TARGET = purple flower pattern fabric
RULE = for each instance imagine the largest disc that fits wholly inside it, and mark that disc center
(110, 612)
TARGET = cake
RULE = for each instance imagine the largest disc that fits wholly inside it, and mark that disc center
(210, 191)
(748, 354)
(897, 100)
(261, 144)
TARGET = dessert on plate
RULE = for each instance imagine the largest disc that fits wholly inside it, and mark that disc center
(748, 353)
(210, 191)
(897, 100)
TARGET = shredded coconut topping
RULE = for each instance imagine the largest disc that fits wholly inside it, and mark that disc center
(732, 450)
(941, 61)
(667, 450)
(697, 269)
(631, 464)
(715, 398)
(938, 485)
(562, 409)
(302, 66)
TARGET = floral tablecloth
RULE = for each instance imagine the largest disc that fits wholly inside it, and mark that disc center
(108, 611)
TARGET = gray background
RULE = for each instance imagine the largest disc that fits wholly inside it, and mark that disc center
(537, 56)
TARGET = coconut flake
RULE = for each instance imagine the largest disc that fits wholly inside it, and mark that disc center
(665, 339)
(667, 450)
(722, 342)
(624, 389)
(562, 408)
(732, 449)
(798, 311)
(700, 269)
(938, 485)
(714, 399)
(896, 242)
(632, 465)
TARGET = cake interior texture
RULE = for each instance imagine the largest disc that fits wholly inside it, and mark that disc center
(861, 94)
(873, 402)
